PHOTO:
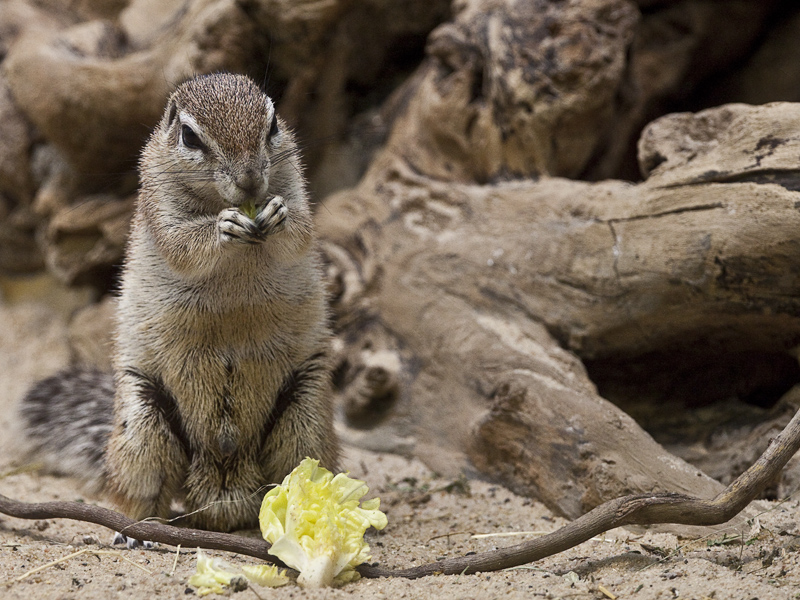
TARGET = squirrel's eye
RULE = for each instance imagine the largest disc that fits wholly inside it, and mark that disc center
(190, 139)
(273, 128)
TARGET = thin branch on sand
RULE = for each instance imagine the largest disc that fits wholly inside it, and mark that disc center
(639, 509)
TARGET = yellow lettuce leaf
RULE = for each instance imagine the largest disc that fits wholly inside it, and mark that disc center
(315, 524)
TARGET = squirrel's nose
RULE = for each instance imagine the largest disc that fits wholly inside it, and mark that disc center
(248, 183)
(248, 177)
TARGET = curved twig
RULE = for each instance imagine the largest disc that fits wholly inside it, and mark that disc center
(640, 509)
(140, 530)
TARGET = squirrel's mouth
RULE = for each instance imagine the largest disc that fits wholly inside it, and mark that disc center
(253, 204)
(250, 207)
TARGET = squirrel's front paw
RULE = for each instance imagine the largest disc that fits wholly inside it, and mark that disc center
(236, 227)
(272, 218)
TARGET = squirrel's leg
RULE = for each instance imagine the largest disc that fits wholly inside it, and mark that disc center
(301, 422)
(226, 496)
(147, 452)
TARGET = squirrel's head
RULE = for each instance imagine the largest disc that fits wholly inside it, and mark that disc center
(222, 132)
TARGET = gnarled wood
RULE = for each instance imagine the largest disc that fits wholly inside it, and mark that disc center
(489, 296)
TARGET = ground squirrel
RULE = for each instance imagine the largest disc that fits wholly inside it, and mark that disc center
(221, 381)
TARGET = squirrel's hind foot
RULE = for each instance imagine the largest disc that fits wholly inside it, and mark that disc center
(131, 543)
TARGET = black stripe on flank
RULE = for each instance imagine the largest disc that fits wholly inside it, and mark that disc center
(293, 388)
(155, 394)
(227, 399)
(227, 440)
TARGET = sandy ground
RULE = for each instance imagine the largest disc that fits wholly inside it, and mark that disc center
(429, 518)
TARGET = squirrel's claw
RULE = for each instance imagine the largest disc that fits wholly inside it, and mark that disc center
(131, 543)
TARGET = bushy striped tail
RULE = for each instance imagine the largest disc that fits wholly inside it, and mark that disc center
(67, 419)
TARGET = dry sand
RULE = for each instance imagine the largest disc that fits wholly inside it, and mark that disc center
(429, 518)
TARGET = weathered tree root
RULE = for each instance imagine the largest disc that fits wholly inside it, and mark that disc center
(639, 509)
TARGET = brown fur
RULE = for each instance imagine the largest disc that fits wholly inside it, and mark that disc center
(221, 361)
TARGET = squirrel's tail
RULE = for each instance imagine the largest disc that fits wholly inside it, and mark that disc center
(67, 419)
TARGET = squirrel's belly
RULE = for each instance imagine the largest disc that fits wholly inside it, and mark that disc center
(220, 376)
(215, 389)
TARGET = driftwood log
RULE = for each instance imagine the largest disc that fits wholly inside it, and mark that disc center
(479, 301)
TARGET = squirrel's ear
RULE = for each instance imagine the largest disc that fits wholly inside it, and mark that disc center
(172, 112)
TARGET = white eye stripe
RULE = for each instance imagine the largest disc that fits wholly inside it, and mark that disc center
(190, 139)
(193, 140)
(272, 130)
(187, 125)
(196, 134)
